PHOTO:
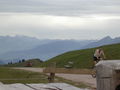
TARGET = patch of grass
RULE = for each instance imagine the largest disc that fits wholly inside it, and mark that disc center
(8, 75)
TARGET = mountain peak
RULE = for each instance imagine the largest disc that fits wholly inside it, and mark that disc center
(107, 38)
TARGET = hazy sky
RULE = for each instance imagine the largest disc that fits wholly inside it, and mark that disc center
(60, 19)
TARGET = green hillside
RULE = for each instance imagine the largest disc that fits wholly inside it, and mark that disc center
(84, 58)
(35, 63)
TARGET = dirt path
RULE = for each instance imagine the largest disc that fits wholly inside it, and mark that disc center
(87, 79)
(30, 69)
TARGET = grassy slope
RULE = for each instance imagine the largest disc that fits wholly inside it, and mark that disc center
(35, 62)
(84, 58)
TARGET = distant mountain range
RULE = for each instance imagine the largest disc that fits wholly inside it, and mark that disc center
(105, 41)
(45, 51)
(18, 43)
(22, 47)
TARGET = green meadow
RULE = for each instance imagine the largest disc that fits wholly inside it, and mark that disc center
(84, 58)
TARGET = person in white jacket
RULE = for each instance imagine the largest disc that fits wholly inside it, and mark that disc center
(98, 55)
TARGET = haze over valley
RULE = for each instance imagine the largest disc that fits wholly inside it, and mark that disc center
(23, 47)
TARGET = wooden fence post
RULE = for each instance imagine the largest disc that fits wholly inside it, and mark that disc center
(51, 77)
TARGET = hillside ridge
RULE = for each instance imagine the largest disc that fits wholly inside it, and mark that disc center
(84, 58)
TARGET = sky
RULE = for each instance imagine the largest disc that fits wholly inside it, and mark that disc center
(60, 19)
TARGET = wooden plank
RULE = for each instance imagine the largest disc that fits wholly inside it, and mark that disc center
(104, 84)
(67, 71)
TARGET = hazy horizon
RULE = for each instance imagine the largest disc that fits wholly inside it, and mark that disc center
(14, 36)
